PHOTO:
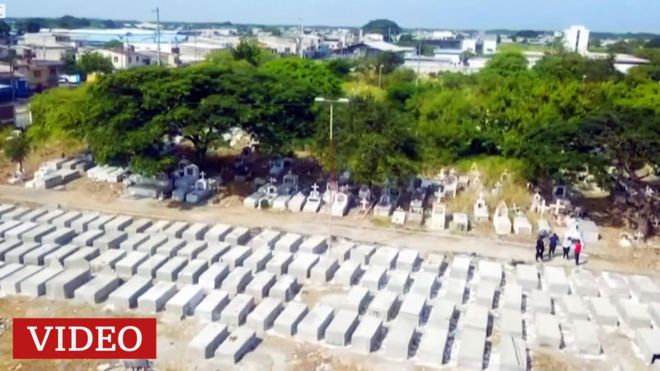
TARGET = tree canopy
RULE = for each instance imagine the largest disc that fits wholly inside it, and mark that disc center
(91, 62)
(384, 27)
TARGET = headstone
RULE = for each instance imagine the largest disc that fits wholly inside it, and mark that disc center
(527, 276)
(257, 260)
(11, 283)
(324, 270)
(556, 280)
(433, 263)
(289, 242)
(301, 266)
(460, 267)
(192, 271)
(106, 261)
(355, 300)
(152, 265)
(59, 236)
(501, 220)
(540, 301)
(212, 277)
(374, 278)
(645, 289)
(127, 267)
(408, 260)
(521, 224)
(485, 294)
(341, 251)
(648, 342)
(217, 233)
(438, 220)
(152, 244)
(214, 252)
(192, 249)
(481, 209)
(383, 306)
(512, 298)
(490, 271)
(511, 322)
(260, 285)
(138, 226)
(413, 308)
(398, 282)
(238, 236)
(35, 285)
(634, 314)
(236, 256)
(548, 333)
(237, 280)
(195, 232)
(169, 271)
(155, 298)
(315, 244)
(384, 256)
(460, 222)
(574, 308)
(266, 238)
(279, 263)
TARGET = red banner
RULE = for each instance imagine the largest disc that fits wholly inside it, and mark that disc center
(84, 338)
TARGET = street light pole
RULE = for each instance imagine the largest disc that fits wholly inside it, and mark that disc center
(157, 11)
(332, 179)
(380, 76)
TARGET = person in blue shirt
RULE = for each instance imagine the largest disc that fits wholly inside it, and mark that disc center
(554, 240)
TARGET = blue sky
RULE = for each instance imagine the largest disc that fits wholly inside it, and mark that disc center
(598, 15)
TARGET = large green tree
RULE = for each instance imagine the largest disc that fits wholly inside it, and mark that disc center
(16, 148)
(91, 62)
(316, 74)
(385, 27)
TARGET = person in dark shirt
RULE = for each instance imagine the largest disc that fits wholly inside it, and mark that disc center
(540, 248)
(554, 240)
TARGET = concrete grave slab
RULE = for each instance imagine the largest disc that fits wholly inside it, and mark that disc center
(237, 280)
(645, 289)
(556, 280)
(212, 277)
(540, 302)
(513, 353)
(119, 223)
(340, 330)
(257, 260)
(408, 260)
(17, 232)
(11, 283)
(8, 226)
(236, 312)
(175, 230)
(289, 242)
(212, 305)
(603, 312)
(324, 270)
(238, 236)
(158, 227)
(398, 282)
(8, 269)
(128, 265)
(279, 263)
(192, 249)
(433, 263)
(341, 251)
(399, 339)
(512, 297)
(17, 254)
(490, 271)
(81, 258)
(87, 238)
(476, 317)
(302, 264)
(133, 241)
(574, 307)
(374, 278)
(584, 283)
(183, 303)
(616, 285)
(236, 256)
(383, 306)
(260, 285)
(413, 308)
(50, 216)
(126, 296)
(192, 271)
(154, 299)
(217, 233)
(511, 323)
(207, 341)
(59, 236)
(106, 261)
(356, 299)
(442, 313)
(64, 285)
(587, 337)
(264, 315)
(287, 322)
(455, 290)
(8, 245)
(56, 257)
(313, 326)
(171, 247)
(5, 208)
(151, 245)
(648, 342)
(236, 345)
(654, 311)
(35, 285)
(348, 273)
(33, 215)
(362, 254)
(97, 289)
(485, 294)
(195, 232)
(527, 276)
(425, 283)
(66, 220)
(432, 346)
(36, 256)
(285, 288)
(471, 351)
(81, 224)
(170, 270)
(214, 252)
(16, 213)
(266, 238)
(37, 233)
(460, 267)
(100, 222)
(634, 314)
(151, 266)
(315, 244)
(367, 335)
(548, 333)
(385, 257)
(138, 226)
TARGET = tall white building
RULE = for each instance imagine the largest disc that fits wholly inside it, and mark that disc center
(576, 39)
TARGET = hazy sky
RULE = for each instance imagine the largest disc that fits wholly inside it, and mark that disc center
(598, 15)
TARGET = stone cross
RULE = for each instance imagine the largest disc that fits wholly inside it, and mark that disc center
(558, 206)
(202, 174)
(315, 187)
(364, 203)
(272, 180)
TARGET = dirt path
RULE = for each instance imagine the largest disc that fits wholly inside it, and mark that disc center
(351, 227)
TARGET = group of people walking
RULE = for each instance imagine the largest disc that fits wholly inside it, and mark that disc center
(567, 244)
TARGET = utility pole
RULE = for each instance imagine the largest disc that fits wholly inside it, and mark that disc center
(419, 58)
(158, 32)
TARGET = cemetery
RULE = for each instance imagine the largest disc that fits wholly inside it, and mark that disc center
(243, 286)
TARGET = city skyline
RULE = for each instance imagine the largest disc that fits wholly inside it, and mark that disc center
(597, 15)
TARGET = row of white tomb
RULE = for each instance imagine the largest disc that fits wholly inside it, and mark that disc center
(247, 285)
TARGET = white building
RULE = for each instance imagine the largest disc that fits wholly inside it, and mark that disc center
(576, 39)
(45, 45)
(124, 58)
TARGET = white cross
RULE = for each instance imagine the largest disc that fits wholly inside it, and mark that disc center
(315, 187)
(558, 206)
(202, 174)
(364, 203)
(273, 180)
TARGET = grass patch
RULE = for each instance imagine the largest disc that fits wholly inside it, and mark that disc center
(492, 168)
(380, 221)
(356, 88)
(520, 47)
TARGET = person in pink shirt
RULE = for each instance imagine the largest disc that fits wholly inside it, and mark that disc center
(578, 250)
